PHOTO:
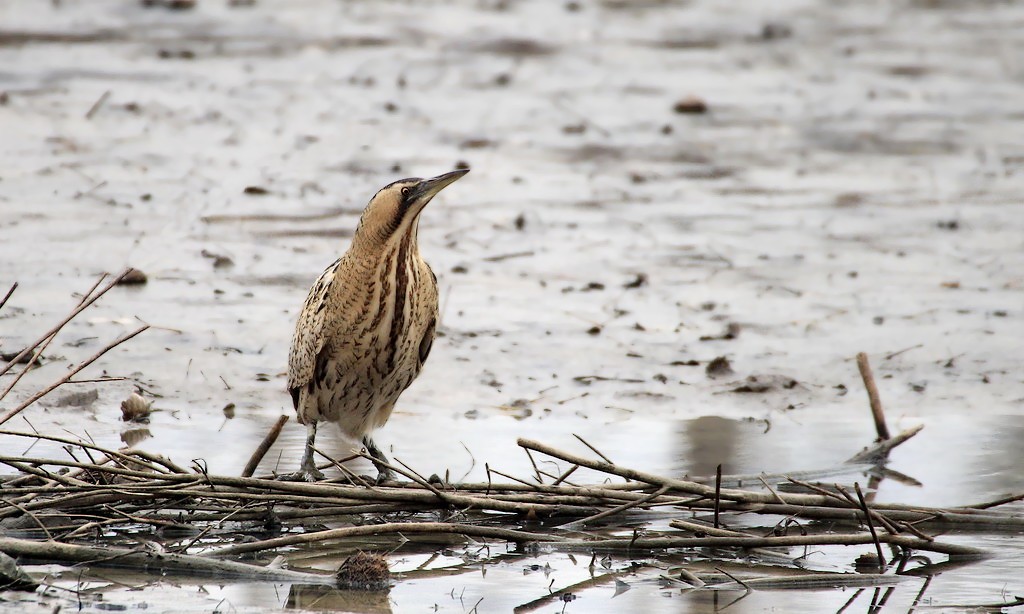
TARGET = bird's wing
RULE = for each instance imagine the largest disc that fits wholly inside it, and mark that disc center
(310, 338)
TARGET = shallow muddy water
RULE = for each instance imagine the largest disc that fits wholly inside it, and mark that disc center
(854, 185)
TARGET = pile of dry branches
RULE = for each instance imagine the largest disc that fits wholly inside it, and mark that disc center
(91, 508)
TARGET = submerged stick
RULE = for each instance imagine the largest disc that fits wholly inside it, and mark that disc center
(657, 543)
(153, 562)
(879, 451)
(261, 451)
(876, 402)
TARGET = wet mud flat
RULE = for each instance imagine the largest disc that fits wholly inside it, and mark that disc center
(654, 186)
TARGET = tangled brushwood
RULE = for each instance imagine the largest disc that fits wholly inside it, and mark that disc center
(93, 506)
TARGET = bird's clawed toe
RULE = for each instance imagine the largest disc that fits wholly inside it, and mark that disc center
(307, 473)
(303, 475)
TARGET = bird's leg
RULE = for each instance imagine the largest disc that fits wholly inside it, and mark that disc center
(307, 468)
(380, 461)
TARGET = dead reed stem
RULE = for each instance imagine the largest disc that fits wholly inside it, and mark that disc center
(261, 450)
(876, 402)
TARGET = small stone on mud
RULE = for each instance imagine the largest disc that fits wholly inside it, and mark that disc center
(135, 408)
(638, 281)
(229, 411)
(24, 360)
(691, 105)
(13, 577)
(718, 367)
(220, 261)
(732, 330)
(135, 277)
(364, 572)
(594, 330)
(174, 5)
(255, 190)
(520, 221)
(753, 386)
(461, 165)
(775, 31)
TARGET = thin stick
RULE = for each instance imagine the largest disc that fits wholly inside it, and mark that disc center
(871, 527)
(625, 506)
(34, 360)
(536, 471)
(882, 520)
(558, 595)
(77, 310)
(152, 561)
(696, 527)
(771, 490)
(879, 451)
(8, 295)
(873, 398)
(392, 528)
(657, 543)
(593, 449)
(96, 105)
(17, 410)
(562, 478)
(718, 492)
(124, 456)
(264, 447)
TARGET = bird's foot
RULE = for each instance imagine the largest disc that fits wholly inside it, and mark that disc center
(305, 474)
(383, 476)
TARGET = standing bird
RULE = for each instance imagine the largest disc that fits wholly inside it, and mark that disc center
(367, 326)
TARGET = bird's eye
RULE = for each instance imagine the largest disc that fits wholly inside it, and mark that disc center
(405, 191)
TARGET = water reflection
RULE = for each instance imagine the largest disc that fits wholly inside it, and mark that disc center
(324, 598)
(709, 441)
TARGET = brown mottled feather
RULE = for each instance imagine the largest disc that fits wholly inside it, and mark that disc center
(368, 322)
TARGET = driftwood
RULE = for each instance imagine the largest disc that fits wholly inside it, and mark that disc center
(152, 561)
(62, 502)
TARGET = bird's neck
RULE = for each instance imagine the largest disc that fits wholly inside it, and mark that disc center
(368, 246)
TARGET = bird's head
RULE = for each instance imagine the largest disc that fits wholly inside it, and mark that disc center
(394, 209)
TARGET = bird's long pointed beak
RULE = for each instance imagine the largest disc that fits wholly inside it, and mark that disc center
(428, 188)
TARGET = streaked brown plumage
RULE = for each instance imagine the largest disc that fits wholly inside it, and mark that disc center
(368, 323)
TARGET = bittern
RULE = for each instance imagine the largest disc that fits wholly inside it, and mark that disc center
(367, 326)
